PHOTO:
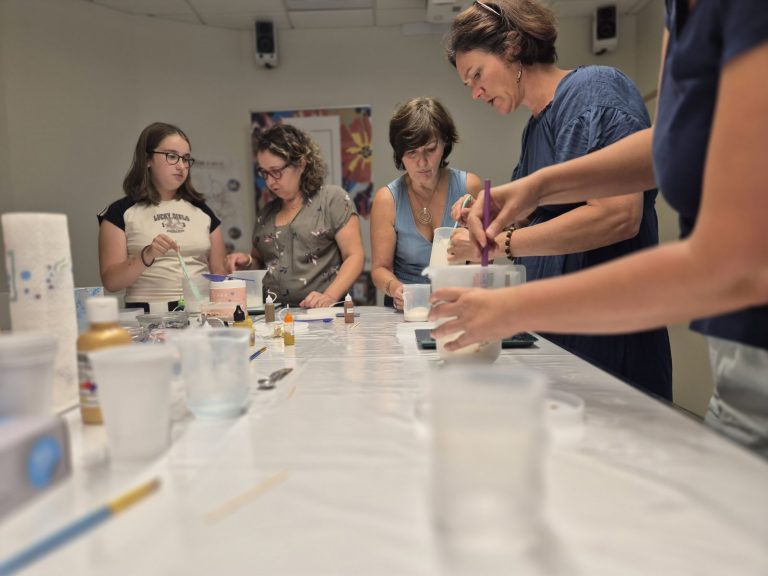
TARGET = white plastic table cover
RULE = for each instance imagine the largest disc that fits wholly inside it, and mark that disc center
(328, 474)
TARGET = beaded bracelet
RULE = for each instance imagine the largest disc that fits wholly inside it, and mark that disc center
(142, 256)
(507, 249)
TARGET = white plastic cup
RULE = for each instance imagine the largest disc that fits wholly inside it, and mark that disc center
(441, 240)
(135, 391)
(487, 472)
(473, 276)
(192, 302)
(214, 367)
(253, 288)
(416, 302)
(27, 361)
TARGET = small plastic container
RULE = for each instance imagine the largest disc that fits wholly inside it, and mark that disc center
(416, 302)
(441, 240)
(27, 361)
(173, 320)
(128, 317)
(229, 291)
(222, 310)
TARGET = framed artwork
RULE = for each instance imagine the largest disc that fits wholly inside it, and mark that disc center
(344, 137)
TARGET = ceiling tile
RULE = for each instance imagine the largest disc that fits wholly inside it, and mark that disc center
(242, 6)
(400, 16)
(245, 20)
(335, 5)
(331, 19)
(397, 4)
(147, 6)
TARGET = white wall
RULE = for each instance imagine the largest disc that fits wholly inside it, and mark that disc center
(82, 81)
(6, 200)
(79, 82)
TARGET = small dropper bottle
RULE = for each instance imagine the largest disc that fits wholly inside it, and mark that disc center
(243, 320)
(289, 337)
(349, 310)
(269, 309)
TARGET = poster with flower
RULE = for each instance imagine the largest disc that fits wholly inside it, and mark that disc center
(344, 136)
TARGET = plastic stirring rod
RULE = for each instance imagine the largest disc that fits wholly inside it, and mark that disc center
(486, 218)
(192, 285)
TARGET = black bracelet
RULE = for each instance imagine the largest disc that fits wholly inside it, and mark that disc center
(507, 249)
(142, 257)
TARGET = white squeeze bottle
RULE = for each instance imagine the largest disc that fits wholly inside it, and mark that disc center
(103, 331)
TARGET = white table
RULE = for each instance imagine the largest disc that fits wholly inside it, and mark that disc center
(328, 474)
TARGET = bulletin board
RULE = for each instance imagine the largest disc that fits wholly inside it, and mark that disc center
(344, 137)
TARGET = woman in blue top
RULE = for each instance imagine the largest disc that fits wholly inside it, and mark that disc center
(406, 212)
(506, 52)
(707, 153)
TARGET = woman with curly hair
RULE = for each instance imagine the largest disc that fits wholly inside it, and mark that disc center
(308, 237)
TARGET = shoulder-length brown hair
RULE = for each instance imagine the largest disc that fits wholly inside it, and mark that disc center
(522, 31)
(137, 184)
(293, 145)
(418, 122)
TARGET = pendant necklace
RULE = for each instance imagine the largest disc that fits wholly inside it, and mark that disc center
(425, 216)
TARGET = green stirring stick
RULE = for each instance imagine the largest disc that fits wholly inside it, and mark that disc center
(463, 205)
(192, 285)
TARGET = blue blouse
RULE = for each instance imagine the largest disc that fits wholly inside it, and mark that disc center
(593, 107)
(412, 250)
(700, 44)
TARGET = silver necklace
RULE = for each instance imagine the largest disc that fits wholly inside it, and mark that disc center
(425, 216)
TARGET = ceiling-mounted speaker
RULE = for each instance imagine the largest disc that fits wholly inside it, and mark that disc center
(266, 43)
(604, 30)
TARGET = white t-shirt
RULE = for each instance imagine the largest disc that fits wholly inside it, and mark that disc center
(190, 225)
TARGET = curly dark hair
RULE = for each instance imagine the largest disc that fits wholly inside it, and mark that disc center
(293, 145)
(522, 31)
(137, 184)
(418, 122)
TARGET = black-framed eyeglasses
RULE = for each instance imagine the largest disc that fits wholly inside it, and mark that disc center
(275, 173)
(172, 158)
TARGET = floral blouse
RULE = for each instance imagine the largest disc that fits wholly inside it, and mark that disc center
(303, 256)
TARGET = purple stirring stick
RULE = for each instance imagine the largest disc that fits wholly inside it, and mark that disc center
(486, 218)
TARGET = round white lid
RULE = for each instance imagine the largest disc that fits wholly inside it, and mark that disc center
(227, 284)
(101, 309)
(14, 345)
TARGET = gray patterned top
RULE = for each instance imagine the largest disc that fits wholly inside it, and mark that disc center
(303, 256)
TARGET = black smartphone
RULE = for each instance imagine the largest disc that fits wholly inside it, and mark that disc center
(521, 340)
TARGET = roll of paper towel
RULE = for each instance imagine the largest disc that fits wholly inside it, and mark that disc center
(39, 266)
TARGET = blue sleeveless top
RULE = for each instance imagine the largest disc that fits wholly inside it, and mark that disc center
(412, 250)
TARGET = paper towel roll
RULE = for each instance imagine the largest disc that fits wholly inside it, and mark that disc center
(39, 265)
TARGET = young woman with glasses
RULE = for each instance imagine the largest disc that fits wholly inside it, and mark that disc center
(308, 237)
(161, 214)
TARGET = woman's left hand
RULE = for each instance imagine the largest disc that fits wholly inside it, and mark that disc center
(475, 314)
(317, 300)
